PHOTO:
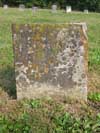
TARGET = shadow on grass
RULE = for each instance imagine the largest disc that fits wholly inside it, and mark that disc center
(7, 81)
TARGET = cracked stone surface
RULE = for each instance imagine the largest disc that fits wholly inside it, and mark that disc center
(50, 60)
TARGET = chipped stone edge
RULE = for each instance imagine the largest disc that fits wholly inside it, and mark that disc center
(84, 27)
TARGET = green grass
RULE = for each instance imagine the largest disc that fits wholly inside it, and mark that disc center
(94, 96)
(47, 116)
(59, 124)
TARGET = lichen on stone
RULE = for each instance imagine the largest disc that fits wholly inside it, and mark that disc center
(50, 55)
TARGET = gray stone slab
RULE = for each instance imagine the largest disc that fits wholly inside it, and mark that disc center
(50, 60)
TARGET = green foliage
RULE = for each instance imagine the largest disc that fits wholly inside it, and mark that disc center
(94, 59)
(20, 125)
(67, 123)
(92, 5)
(35, 103)
(0, 3)
(64, 123)
(94, 96)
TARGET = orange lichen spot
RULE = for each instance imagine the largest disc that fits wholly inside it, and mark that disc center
(46, 69)
(37, 76)
(50, 61)
(34, 66)
(42, 45)
(37, 37)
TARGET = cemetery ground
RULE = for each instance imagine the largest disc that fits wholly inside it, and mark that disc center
(48, 115)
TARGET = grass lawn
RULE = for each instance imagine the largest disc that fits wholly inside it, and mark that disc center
(50, 116)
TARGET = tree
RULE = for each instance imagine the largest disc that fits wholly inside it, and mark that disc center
(92, 5)
(0, 3)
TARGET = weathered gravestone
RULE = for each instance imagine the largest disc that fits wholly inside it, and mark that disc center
(86, 11)
(68, 9)
(54, 8)
(34, 9)
(5, 6)
(21, 7)
(50, 60)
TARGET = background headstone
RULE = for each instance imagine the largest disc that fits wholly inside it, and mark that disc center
(5, 6)
(34, 9)
(86, 11)
(68, 9)
(50, 60)
(54, 8)
(21, 7)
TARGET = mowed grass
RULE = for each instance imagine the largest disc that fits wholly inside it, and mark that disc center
(10, 16)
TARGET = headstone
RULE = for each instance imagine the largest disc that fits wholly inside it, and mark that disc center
(68, 9)
(86, 11)
(5, 6)
(50, 60)
(21, 7)
(34, 9)
(54, 8)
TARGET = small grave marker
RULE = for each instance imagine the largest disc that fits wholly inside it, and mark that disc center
(86, 11)
(21, 7)
(68, 9)
(54, 8)
(5, 6)
(34, 9)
